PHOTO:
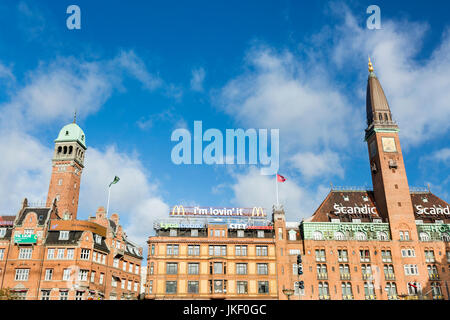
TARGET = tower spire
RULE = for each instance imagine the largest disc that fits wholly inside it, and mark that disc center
(370, 66)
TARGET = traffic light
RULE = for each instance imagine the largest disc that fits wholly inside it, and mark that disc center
(301, 285)
(299, 259)
(300, 269)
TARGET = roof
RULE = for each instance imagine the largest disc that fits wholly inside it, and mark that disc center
(348, 205)
(375, 98)
(7, 220)
(102, 246)
(72, 132)
(42, 214)
(53, 238)
(132, 250)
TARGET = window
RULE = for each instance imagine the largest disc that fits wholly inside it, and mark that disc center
(172, 249)
(135, 287)
(98, 239)
(70, 253)
(79, 295)
(217, 250)
(338, 235)
(2, 232)
(25, 253)
(292, 235)
(151, 268)
(218, 268)
(2, 253)
(63, 295)
(122, 283)
(280, 233)
(48, 274)
(171, 287)
(83, 275)
(404, 235)
(436, 290)
(28, 232)
(153, 249)
(320, 255)
(414, 288)
(406, 253)
(192, 286)
(317, 235)
(342, 255)
(242, 287)
(360, 236)
(193, 250)
(130, 269)
(262, 268)
(240, 233)
(116, 263)
(386, 255)
(173, 232)
(136, 269)
(22, 274)
(432, 272)
(364, 255)
(66, 274)
(261, 250)
(50, 253)
(60, 254)
(63, 235)
(344, 271)
(322, 271)
(260, 234)
(347, 293)
(129, 285)
(45, 295)
(194, 232)
(263, 287)
(171, 268)
(150, 286)
(101, 278)
(219, 286)
(381, 235)
(85, 254)
(124, 266)
(411, 269)
(323, 290)
(241, 250)
(113, 282)
(391, 290)
(241, 268)
(93, 276)
(297, 290)
(193, 268)
(429, 256)
(448, 256)
(369, 290)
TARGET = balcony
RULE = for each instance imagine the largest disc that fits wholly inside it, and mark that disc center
(434, 276)
(322, 276)
(389, 276)
(367, 276)
(345, 276)
(371, 297)
(324, 297)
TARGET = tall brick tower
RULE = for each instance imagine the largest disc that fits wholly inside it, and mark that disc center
(390, 184)
(67, 166)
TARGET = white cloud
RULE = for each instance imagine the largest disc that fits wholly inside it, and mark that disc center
(253, 189)
(313, 165)
(418, 89)
(442, 155)
(198, 76)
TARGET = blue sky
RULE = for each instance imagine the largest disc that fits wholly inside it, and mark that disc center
(137, 71)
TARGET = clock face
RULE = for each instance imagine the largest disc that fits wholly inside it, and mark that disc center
(388, 144)
(373, 148)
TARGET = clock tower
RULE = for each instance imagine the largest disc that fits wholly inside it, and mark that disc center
(67, 166)
(390, 184)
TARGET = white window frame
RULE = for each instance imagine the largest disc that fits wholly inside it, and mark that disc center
(63, 235)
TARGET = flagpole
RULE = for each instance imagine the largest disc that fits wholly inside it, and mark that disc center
(276, 183)
(107, 206)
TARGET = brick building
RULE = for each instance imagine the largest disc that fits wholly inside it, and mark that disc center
(386, 242)
(47, 254)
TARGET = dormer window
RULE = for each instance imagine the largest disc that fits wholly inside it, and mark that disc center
(365, 198)
(346, 198)
(424, 199)
(63, 235)
(67, 133)
(98, 239)
(2, 232)
(82, 137)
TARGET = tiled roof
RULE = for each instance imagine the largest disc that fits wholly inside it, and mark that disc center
(41, 213)
(428, 207)
(102, 247)
(53, 238)
(7, 220)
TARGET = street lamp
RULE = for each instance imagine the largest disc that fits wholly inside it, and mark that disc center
(288, 293)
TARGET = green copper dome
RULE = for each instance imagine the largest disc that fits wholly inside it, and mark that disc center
(72, 132)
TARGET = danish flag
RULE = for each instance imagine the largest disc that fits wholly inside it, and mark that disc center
(280, 178)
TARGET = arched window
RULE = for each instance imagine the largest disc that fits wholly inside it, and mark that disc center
(59, 149)
(386, 117)
(381, 235)
(424, 236)
(70, 149)
(380, 116)
(292, 235)
(361, 236)
(65, 149)
(338, 235)
(445, 237)
(317, 235)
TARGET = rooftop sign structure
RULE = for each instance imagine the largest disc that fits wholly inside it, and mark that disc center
(180, 210)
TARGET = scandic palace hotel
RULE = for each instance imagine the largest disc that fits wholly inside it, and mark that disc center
(387, 243)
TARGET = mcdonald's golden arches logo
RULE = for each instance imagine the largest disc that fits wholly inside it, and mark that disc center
(257, 211)
(179, 210)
